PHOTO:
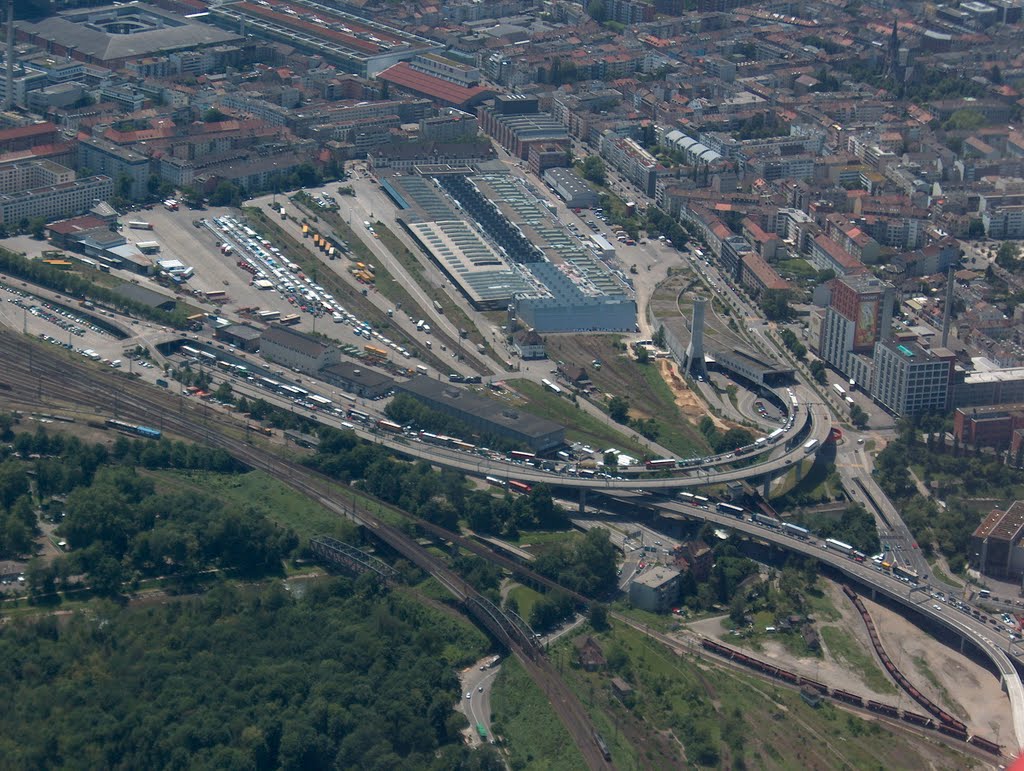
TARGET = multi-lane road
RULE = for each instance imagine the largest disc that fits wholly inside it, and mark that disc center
(995, 645)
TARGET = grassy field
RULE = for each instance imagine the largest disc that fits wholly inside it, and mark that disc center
(686, 713)
(281, 504)
(523, 719)
(798, 268)
(643, 385)
(580, 426)
(845, 649)
(525, 598)
(820, 485)
(942, 575)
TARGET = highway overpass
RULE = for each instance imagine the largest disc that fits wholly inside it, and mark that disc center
(969, 628)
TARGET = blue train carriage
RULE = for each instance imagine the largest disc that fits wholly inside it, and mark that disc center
(149, 433)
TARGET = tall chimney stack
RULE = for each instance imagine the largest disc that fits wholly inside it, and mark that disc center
(947, 312)
(9, 95)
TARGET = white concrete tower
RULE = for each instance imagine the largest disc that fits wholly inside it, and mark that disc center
(694, 363)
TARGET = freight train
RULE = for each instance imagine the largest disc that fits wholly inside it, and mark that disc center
(948, 726)
(952, 726)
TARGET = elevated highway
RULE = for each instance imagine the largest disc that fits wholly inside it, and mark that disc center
(694, 476)
(970, 629)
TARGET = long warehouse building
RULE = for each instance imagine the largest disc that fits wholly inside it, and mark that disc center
(486, 415)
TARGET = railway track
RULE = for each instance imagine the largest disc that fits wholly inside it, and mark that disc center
(55, 378)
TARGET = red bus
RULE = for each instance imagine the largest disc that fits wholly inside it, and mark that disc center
(661, 463)
(519, 487)
(527, 457)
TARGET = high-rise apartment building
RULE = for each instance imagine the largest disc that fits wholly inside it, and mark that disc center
(859, 314)
(909, 379)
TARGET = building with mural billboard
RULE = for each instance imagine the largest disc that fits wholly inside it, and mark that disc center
(859, 311)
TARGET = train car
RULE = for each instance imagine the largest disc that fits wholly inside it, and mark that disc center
(820, 687)
(883, 709)
(986, 745)
(602, 746)
(728, 508)
(764, 519)
(519, 487)
(148, 432)
(660, 463)
(917, 719)
(954, 731)
(789, 677)
(846, 696)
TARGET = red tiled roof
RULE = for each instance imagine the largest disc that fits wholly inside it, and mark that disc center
(404, 76)
(36, 129)
(765, 273)
(839, 254)
(76, 225)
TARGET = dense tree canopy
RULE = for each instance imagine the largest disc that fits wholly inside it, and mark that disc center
(342, 679)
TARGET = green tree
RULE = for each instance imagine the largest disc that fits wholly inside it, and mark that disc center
(213, 115)
(964, 120)
(658, 338)
(597, 10)
(40, 577)
(599, 616)
(618, 409)
(642, 356)
(817, 369)
(775, 305)
(1008, 255)
(611, 460)
(858, 416)
(224, 393)
(593, 169)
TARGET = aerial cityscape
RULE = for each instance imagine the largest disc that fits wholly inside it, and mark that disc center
(506, 384)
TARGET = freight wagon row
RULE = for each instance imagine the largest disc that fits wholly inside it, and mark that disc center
(846, 697)
(954, 726)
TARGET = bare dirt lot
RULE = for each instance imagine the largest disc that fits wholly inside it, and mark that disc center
(687, 401)
(965, 688)
(958, 684)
